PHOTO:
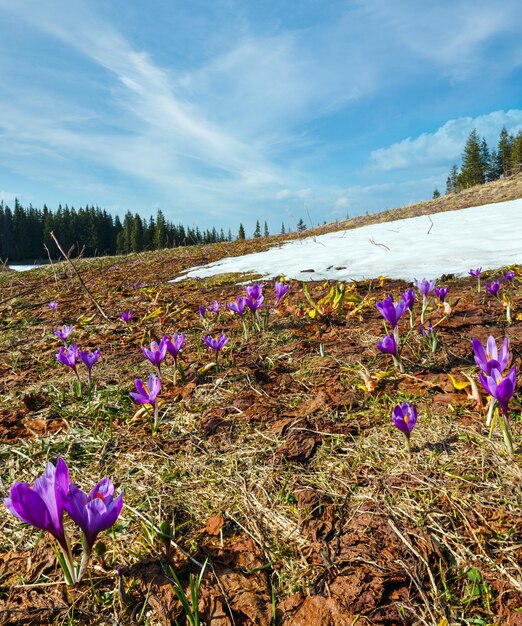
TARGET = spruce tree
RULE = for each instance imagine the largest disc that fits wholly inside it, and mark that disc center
(516, 153)
(241, 233)
(436, 194)
(472, 171)
(283, 231)
(257, 231)
(301, 225)
(485, 159)
(505, 147)
(266, 233)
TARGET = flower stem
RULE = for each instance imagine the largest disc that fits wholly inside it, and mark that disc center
(492, 403)
(407, 443)
(508, 441)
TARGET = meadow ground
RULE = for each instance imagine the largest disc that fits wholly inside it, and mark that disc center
(282, 468)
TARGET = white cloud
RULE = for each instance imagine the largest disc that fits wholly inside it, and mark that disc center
(446, 143)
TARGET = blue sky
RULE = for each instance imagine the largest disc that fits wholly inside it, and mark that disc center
(226, 111)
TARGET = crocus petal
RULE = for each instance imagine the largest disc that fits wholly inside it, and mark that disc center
(29, 507)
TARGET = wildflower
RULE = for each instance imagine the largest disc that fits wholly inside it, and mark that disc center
(216, 344)
(441, 293)
(64, 332)
(509, 275)
(53, 305)
(202, 311)
(409, 297)
(493, 288)
(125, 316)
(147, 393)
(174, 345)
(404, 418)
(69, 356)
(490, 358)
(430, 335)
(502, 389)
(238, 306)
(89, 360)
(214, 306)
(388, 345)
(425, 287)
(41, 505)
(391, 311)
(476, 272)
(281, 289)
(93, 512)
(255, 298)
(156, 354)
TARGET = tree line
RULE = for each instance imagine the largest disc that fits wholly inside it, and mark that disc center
(482, 165)
(92, 231)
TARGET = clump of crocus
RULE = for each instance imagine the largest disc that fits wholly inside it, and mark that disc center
(493, 288)
(53, 493)
(476, 273)
(126, 316)
(404, 418)
(502, 389)
(69, 356)
(89, 359)
(254, 301)
(281, 289)
(53, 305)
(156, 354)
(64, 332)
(409, 297)
(489, 359)
(214, 307)
(509, 276)
(174, 347)
(217, 344)
(148, 394)
(388, 345)
(425, 287)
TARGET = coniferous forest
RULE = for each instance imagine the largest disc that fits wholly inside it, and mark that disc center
(25, 232)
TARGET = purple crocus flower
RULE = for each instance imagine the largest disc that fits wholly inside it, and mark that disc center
(238, 306)
(477, 272)
(89, 359)
(489, 358)
(409, 297)
(202, 311)
(424, 286)
(441, 293)
(147, 393)
(53, 305)
(391, 311)
(93, 512)
(156, 354)
(174, 345)
(216, 344)
(502, 389)
(214, 306)
(509, 275)
(125, 316)
(42, 504)
(493, 288)
(63, 332)
(254, 291)
(388, 345)
(281, 289)
(404, 418)
(69, 356)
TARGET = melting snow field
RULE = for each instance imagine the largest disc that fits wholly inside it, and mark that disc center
(488, 236)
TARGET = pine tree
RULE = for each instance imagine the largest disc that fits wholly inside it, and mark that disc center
(516, 153)
(436, 194)
(266, 233)
(257, 231)
(283, 231)
(485, 159)
(472, 170)
(241, 233)
(504, 149)
(301, 225)
(493, 173)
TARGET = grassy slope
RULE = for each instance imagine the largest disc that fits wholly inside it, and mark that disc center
(322, 510)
